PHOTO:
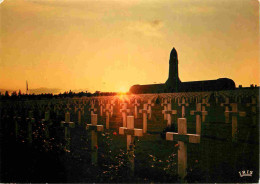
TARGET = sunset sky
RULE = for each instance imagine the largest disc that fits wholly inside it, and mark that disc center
(110, 45)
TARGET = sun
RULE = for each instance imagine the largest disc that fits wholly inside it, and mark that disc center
(123, 89)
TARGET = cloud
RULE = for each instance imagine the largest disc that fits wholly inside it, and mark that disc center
(80, 90)
(147, 28)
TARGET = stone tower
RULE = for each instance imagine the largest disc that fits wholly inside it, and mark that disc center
(173, 81)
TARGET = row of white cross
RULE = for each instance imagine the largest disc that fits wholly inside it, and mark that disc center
(128, 126)
(182, 137)
(168, 111)
(179, 98)
(200, 113)
(146, 111)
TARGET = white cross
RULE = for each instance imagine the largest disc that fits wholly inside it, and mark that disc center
(144, 111)
(30, 120)
(68, 107)
(47, 122)
(203, 105)
(216, 99)
(112, 104)
(226, 105)
(170, 99)
(94, 128)
(130, 132)
(124, 112)
(150, 104)
(107, 110)
(164, 104)
(16, 124)
(183, 104)
(169, 112)
(92, 108)
(101, 104)
(182, 137)
(136, 104)
(198, 114)
(67, 124)
(80, 116)
(235, 113)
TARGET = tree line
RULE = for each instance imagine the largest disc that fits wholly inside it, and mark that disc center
(20, 96)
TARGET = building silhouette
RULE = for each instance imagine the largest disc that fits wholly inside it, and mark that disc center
(174, 84)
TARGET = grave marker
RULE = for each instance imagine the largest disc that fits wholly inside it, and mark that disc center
(183, 138)
(30, 120)
(235, 113)
(198, 114)
(144, 111)
(203, 105)
(226, 105)
(169, 112)
(94, 128)
(183, 104)
(68, 107)
(47, 122)
(79, 117)
(164, 104)
(124, 112)
(136, 104)
(112, 104)
(150, 104)
(107, 110)
(16, 125)
(130, 132)
(92, 108)
(101, 104)
(67, 124)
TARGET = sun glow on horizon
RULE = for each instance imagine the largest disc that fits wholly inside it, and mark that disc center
(123, 97)
(123, 89)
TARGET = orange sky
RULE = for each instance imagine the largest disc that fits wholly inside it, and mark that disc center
(110, 45)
